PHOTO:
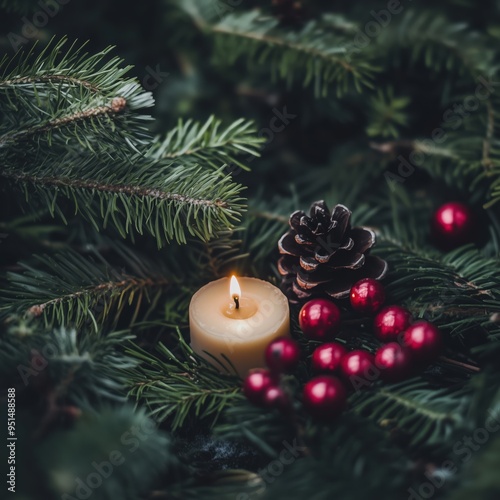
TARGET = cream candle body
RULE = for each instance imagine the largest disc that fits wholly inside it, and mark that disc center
(238, 325)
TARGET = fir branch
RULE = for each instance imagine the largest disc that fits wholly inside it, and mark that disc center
(490, 130)
(264, 430)
(145, 456)
(425, 416)
(207, 143)
(134, 194)
(323, 56)
(180, 385)
(265, 222)
(55, 80)
(79, 367)
(71, 289)
(346, 463)
(479, 477)
(215, 257)
(63, 95)
(74, 184)
(430, 37)
(116, 106)
(387, 114)
(487, 168)
(462, 280)
(70, 69)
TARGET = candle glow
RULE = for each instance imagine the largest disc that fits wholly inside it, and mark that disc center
(237, 328)
(235, 291)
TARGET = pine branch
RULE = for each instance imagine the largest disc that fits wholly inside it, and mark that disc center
(265, 222)
(66, 95)
(74, 290)
(479, 477)
(463, 280)
(487, 167)
(217, 257)
(136, 195)
(145, 452)
(207, 143)
(263, 429)
(346, 463)
(178, 386)
(80, 367)
(56, 107)
(323, 56)
(423, 416)
(442, 45)
(387, 114)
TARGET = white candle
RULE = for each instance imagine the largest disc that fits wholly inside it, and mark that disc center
(237, 321)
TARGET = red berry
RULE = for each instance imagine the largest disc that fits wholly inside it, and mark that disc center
(275, 397)
(424, 341)
(282, 355)
(390, 322)
(256, 384)
(357, 365)
(324, 397)
(327, 357)
(367, 296)
(394, 362)
(319, 319)
(453, 224)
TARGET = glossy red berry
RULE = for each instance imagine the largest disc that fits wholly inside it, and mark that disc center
(324, 397)
(367, 296)
(282, 355)
(453, 225)
(319, 319)
(275, 397)
(256, 384)
(327, 357)
(394, 362)
(424, 341)
(358, 366)
(390, 323)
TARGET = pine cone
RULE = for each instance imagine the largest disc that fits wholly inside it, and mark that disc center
(323, 256)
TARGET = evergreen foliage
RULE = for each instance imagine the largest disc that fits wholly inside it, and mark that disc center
(111, 218)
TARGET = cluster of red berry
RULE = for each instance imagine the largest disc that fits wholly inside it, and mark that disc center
(407, 347)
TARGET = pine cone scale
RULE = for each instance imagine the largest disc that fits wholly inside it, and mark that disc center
(364, 239)
(288, 246)
(340, 285)
(309, 263)
(348, 260)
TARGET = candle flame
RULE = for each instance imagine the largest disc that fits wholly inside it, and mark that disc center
(234, 288)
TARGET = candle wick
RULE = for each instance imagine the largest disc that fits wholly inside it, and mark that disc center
(236, 301)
